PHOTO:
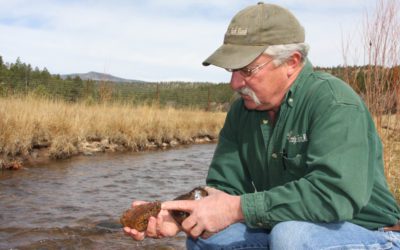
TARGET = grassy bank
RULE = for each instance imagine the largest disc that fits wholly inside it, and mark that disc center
(30, 126)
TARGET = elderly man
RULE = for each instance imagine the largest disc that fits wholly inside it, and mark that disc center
(298, 163)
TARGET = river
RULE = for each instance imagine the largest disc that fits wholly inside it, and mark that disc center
(76, 203)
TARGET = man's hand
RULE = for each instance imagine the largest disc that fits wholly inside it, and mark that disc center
(162, 226)
(208, 215)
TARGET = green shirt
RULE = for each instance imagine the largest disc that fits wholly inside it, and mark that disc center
(321, 161)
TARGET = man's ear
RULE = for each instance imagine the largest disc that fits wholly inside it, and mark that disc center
(294, 63)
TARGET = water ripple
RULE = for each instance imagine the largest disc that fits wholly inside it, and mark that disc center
(76, 204)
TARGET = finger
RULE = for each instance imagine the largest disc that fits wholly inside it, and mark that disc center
(134, 233)
(166, 225)
(196, 231)
(137, 203)
(159, 224)
(127, 230)
(188, 224)
(205, 235)
(180, 205)
(152, 228)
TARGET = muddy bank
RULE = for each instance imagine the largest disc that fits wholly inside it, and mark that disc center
(43, 152)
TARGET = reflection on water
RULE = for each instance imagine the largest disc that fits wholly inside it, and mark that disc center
(76, 204)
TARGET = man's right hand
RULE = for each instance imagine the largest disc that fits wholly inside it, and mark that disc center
(162, 226)
(208, 215)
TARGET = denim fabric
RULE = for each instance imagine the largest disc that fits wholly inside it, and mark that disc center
(299, 235)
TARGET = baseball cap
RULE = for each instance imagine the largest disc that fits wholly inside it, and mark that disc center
(251, 31)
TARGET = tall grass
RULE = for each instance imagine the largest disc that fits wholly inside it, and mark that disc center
(27, 123)
(381, 80)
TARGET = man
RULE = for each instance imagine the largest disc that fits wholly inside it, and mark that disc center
(298, 163)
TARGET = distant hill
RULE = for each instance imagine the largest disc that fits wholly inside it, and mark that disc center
(96, 76)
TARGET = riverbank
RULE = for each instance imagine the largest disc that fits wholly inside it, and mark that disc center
(35, 130)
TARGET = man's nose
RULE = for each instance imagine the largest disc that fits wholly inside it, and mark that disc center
(237, 81)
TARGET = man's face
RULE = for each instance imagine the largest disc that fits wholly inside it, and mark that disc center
(267, 82)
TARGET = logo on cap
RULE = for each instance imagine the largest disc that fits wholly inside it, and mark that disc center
(237, 31)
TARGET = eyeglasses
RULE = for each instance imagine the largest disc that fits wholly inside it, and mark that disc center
(247, 72)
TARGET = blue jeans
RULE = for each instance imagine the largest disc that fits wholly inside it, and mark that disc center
(299, 235)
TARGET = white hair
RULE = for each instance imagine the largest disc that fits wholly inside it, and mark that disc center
(281, 53)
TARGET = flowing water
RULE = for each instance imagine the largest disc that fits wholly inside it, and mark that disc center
(76, 204)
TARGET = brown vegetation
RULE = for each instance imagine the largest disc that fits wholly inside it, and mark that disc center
(31, 127)
(381, 81)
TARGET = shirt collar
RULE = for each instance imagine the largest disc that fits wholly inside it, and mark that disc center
(290, 97)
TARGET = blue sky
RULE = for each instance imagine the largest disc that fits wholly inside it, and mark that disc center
(156, 40)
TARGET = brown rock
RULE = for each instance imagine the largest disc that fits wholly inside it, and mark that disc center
(138, 217)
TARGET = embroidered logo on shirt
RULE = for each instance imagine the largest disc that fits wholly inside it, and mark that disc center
(297, 138)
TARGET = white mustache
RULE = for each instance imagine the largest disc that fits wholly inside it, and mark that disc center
(249, 92)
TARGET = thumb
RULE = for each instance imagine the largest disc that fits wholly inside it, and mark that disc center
(211, 190)
(137, 203)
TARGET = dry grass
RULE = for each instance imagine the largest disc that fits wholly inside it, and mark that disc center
(382, 48)
(381, 30)
(390, 133)
(27, 123)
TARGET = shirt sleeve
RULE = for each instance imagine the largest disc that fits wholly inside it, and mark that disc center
(340, 160)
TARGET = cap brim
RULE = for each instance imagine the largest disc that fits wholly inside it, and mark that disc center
(233, 56)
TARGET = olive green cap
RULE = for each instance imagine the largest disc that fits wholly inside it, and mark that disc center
(251, 31)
